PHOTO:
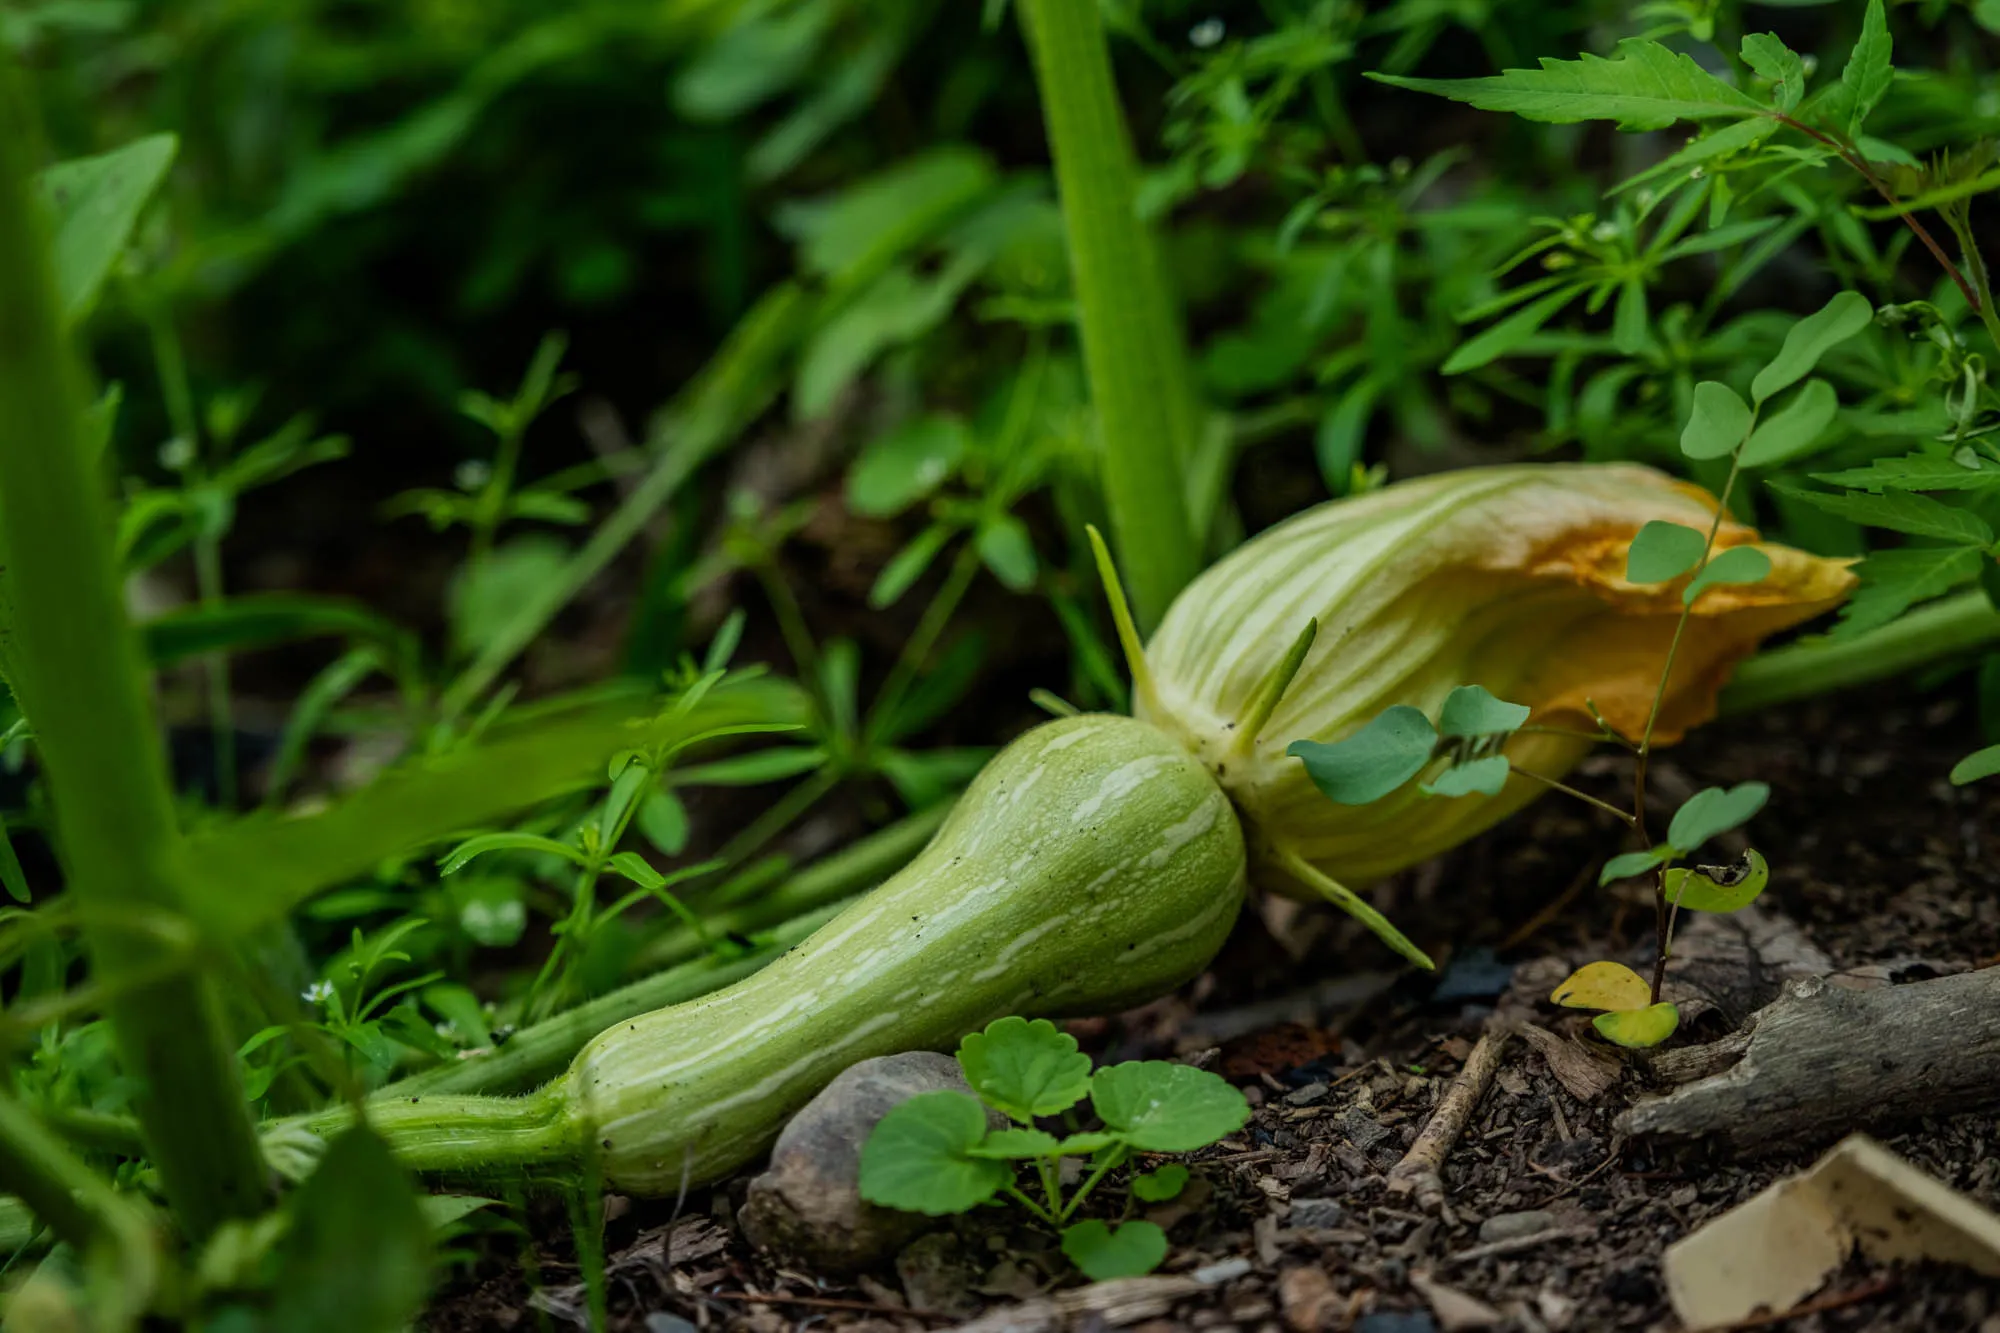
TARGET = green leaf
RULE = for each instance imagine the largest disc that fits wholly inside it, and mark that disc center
(259, 867)
(1901, 511)
(1661, 552)
(1161, 1185)
(258, 621)
(1717, 424)
(491, 910)
(1738, 564)
(1719, 888)
(1470, 711)
(1134, 1249)
(1154, 1106)
(462, 855)
(1374, 761)
(908, 565)
(1976, 766)
(1645, 87)
(1809, 340)
(754, 770)
(12, 876)
(663, 821)
(1894, 581)
(1867, 73)
(1487, 777)
(1639, 1028)
(636, 868)
(355, 1215)
(95, 202)
(906, 465)
(1917, 472)
(1499, 339)
(1714, 811)
(485, 595)
(1773, 60)
(1009, 1144)
(1795, 429)
(1025, 1069)
(919, 1157)
(1005, 546)
(1628, 864)
(443, 1210)
(1086, 1143)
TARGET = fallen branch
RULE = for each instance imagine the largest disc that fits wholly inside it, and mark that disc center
(1824, 1060)
(1421, 1168)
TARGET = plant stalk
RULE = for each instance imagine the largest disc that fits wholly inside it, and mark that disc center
(81, 683)
(1147, 417)
(1954, 626)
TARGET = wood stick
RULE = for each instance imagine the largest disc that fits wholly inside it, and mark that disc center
(1824, 1060)
(1421, 1168)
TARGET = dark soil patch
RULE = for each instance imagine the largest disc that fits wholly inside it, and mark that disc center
(1878, 861)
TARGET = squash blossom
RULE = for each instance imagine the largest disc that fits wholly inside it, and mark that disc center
(1512, 578)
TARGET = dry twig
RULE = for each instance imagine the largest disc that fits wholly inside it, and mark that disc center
(1421, 1168)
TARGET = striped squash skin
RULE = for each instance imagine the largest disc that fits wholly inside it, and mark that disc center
(1092, 865)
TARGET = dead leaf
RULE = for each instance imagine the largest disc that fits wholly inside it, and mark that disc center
(1453, 1310)
(1778, 1248)
(1306, 1296)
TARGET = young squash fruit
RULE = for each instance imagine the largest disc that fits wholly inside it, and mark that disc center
(1092, 865)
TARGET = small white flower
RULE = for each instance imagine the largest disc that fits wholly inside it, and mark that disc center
(1206, 33)
(472, 474)
(317, 993)
(176, 453)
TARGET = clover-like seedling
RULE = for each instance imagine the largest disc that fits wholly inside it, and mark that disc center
(935, 1154)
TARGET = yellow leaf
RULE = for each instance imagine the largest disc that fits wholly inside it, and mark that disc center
(1639, 1028)
(1604, 986)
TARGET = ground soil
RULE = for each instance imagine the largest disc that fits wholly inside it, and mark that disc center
(1878, 861)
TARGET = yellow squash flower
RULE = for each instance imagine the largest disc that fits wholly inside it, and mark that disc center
(1511, 578)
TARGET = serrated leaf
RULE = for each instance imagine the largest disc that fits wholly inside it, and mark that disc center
(1773, 60)
(1661, 552)
(1901, 511)
(1487, 777)
(1719, 888)
(1009, 1144)
(1978, 765)
(1644, 87)
(1738, 564)
(1154, 1106)
(1809, 340)
(1495, 341)
(1612, 986)
(1374, 761)
(1633, 863)
(1713, 811)
(1100, 1253)
(1868, 70)
(1894, 581)
(1471, 711)
(1717, 424)
(919, 1157)
(1795, 429)
(1025, 1069)
(1639, 1028)
(1161, 1185)
(1915, 472)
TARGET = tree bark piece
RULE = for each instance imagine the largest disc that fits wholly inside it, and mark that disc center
(1825, 1060)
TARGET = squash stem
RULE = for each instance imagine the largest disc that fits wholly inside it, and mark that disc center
(1950, 627)
(1351, 903)
(471, 1138)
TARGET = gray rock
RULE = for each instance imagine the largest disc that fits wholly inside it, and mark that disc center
(1308, 1214)
(1312, 1094)
(807, 1206)
(1512, 1226)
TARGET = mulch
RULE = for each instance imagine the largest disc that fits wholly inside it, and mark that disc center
(1552, 1221)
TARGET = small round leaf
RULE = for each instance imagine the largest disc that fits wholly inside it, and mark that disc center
(1718, 423)
(1161, 1185)
(1639, 1028)
(1133, 1249)
(1486, 776)
(1604, 986)
(1719, 888)
(1374, 761)
(1663, 551)
(919, 1158)
(1713, 811)
(1470, 711)
(1156, 1106)
(1738, 564)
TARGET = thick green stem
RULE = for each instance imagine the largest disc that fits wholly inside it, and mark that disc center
(1949, 627)
(82, 686)
(472, 1138)
(1147, 418)
(81, 1208)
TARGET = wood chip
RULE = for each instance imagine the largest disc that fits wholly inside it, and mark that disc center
(1584, 1074)
(1454, 1311)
